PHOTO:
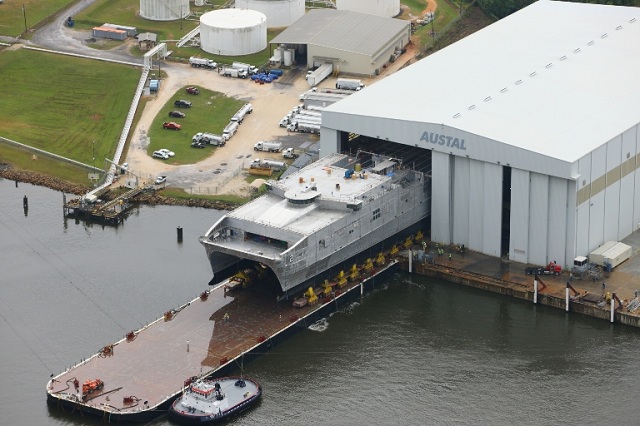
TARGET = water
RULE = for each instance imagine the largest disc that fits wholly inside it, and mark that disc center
(415, 351)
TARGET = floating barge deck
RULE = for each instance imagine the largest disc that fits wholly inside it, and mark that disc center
(144, 372)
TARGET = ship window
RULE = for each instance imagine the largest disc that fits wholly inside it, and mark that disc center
(300, 202)
(322, 243)
(376, 214)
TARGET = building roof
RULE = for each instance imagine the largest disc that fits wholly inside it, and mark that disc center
(147, 37)
(555, 78)
(342, 30)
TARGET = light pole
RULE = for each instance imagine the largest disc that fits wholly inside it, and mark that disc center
(93, 154)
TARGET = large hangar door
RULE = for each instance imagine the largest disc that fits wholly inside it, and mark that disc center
(506, 211)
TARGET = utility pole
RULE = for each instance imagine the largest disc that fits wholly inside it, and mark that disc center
(93, 154)
(180, 15)
(24, 14)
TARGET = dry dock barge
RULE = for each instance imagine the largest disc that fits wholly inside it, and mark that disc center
(136, 378)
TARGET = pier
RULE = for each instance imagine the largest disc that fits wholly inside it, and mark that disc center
(110, 213)
(612, 297)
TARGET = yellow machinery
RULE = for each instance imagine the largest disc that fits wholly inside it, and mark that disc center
(326, 288)
(380, 260)
(368, 265)
(394, 251)
(419, 236)
(354, 274)
(311, 296)
(341, 279)
(407, 243)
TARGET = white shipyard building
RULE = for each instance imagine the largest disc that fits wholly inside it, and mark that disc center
(529, 129)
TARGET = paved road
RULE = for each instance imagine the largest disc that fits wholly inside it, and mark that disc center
(56, 36)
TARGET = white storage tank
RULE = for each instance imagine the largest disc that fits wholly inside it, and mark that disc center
(384, 8)
(233, 32)
(164, 10)
(279, 13)
(288, 57)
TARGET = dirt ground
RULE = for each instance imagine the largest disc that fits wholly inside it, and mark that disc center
(222, 172)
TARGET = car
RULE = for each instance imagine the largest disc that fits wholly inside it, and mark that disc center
(193, 90)
(181, 103)
(198, 144)
(177, 114)
(161, 155)
(167, 152)
(171, 125)
(160, 180)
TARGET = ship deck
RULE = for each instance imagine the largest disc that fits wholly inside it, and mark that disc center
(152, 367)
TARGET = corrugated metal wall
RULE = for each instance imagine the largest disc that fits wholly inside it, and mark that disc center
(440, 206)
(520, 197)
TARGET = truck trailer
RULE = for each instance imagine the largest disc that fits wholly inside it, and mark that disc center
(233, 72)
(250, 69)
(202, 63)
(230, 130)
(272, 164)
(268, 146)
(319, 74)
(242, 112)
(209, 138)
(349, 84)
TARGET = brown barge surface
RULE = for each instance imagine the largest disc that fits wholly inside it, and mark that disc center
(145, 371)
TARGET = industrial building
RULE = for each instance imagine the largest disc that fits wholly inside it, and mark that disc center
(355, 43)
(529, 129)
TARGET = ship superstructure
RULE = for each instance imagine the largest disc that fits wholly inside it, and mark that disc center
(320, 216)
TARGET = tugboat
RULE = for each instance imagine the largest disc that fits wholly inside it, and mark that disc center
(207, 401)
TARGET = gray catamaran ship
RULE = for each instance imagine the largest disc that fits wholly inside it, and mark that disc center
(320, 216)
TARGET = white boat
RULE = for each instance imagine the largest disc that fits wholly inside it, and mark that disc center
(320, 216)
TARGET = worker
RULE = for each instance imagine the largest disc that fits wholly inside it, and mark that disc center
(449, 256)
(604, 285)
(226, 317)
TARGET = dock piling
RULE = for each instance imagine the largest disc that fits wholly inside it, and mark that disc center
(613, 309)
(566, 298)
(179, 234)
(535, 290)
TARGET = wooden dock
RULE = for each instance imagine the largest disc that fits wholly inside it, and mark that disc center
(110, 213)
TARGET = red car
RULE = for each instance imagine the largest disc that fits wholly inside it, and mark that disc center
(193, 90)
(171, 125)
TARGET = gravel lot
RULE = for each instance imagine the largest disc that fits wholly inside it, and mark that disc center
(221, 171)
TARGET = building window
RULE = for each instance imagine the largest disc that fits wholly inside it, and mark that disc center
(376, 214)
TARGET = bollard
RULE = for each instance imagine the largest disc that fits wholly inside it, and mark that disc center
(25, 202)
(566, 298)
(179, 234)
(535, 290)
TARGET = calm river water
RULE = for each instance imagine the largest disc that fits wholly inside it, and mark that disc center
(414, 352)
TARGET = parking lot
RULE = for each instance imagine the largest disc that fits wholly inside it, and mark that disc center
(222, 171)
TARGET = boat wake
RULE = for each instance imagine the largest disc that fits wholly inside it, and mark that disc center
(321, 325)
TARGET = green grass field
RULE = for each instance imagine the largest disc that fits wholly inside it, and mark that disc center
(210, 112)
(12, 14)
(63, 104)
